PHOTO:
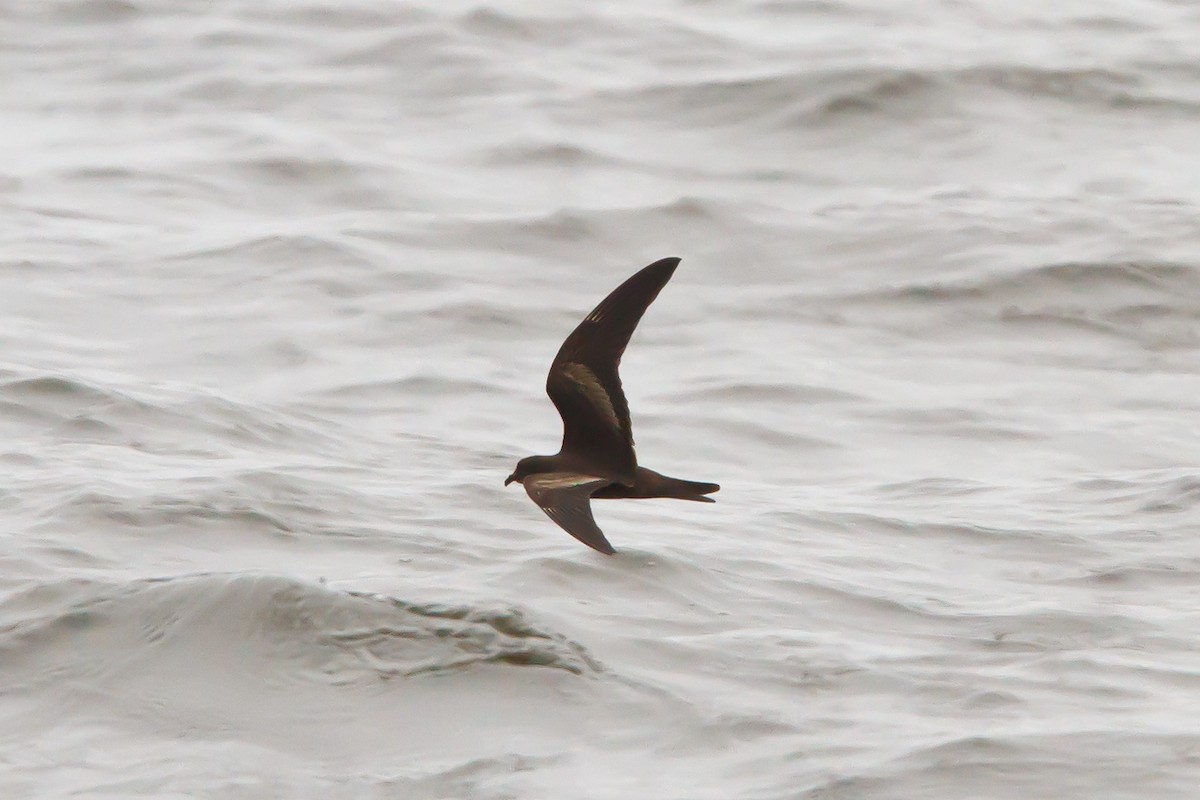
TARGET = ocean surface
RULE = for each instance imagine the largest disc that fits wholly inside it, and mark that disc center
(279, 286)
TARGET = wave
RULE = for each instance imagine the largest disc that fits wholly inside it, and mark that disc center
(765, 393)
(826, 96)
(967, 423)
(1069, 762)
(282, 250)
(93, 409)
(538, 153)
(1181, 495)
(1156, 280)
(1163, 493)
(97, 11)
(1155, 304)
(263, 626)
(1140, 576)
(637, 233)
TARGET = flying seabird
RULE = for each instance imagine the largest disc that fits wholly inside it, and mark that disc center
(596, 459)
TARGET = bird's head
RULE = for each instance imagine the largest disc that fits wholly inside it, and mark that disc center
(530, 465)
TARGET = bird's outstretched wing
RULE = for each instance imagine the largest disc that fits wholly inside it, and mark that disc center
(584, 383)
(566, 499)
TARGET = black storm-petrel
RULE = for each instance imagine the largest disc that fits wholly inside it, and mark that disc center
(596, 459)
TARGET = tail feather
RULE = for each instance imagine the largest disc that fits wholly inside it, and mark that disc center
(650, 484)
(691, 490)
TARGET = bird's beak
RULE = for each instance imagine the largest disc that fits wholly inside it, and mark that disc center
(509, 480)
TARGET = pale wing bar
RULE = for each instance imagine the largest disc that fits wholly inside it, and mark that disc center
(584, 383)
(566, 499)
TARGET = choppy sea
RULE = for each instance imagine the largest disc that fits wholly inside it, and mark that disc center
(279, 286)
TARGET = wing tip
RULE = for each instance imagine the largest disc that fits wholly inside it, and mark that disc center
(668, 263)
(596, 540)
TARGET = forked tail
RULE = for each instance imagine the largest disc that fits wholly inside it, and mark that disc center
(691, 490)
(648, 483)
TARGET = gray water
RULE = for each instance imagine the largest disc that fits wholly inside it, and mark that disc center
(279, 285)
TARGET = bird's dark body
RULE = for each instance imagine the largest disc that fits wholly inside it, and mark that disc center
(597, 459)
